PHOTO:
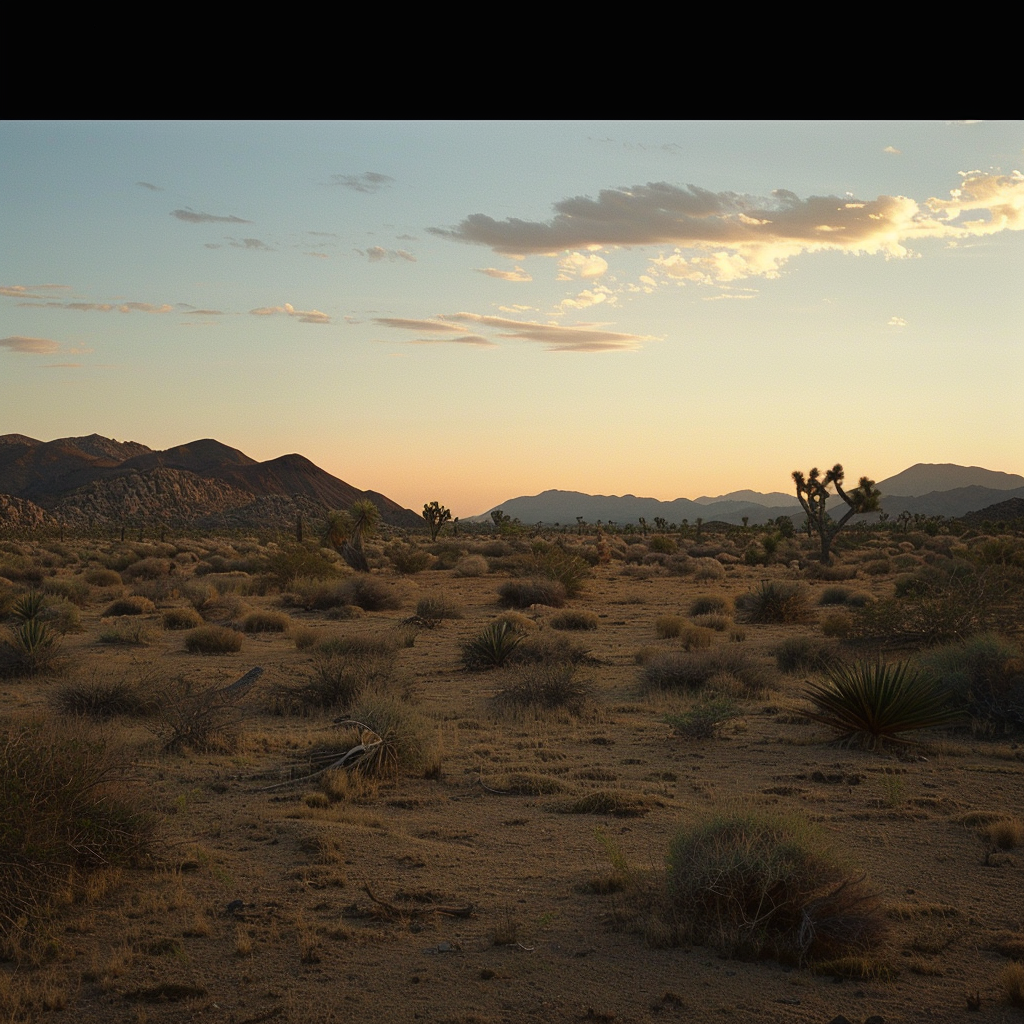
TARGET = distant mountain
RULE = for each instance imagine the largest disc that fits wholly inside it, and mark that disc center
(95, 479)
(961, 489)
(925, 477)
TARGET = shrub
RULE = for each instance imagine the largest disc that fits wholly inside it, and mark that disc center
(717, 623)
(103, 698)
(707, 569)
(266, 622)
(409, 558)
(370, 594)
(875, 703)
(204, 718)
(70, 588)
(679, 670)
(290, 564)
(805, 654)
(438, 607)
(574, 618)
(705, 719)
(29, 649)
(774, 602)
(492, 647)
(123, 631)
(103, 578)
(397, 738)
(984, 675)
(662, 545)
(133, 605)
(568, 570)
(710, 604)
(668, 627)
(66, 813)
(524, 593)
(471, 565)
(182, 618)
(545, 686)
(337, 680)
(550, 649)
(147, 569)
(757, 884)
(213, 640)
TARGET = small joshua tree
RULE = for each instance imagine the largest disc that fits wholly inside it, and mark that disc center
(812, 492)
(345, 532)
(435, 515)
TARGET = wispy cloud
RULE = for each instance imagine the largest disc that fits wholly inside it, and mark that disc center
(505, 275)
(32, 291)
(369, 181)
(36, 346)
(460, 339)
(112, 307)
(249, 243)
(405, 324)
(896, 321)
(554, 337)
(304, 316)
(376, 253)
(192, 217)
(726, 236)
(146, 184)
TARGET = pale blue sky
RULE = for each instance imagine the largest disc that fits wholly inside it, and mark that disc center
(470, 311)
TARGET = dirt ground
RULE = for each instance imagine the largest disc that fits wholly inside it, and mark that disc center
(456, 897)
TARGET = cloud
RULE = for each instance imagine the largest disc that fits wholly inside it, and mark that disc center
(896, 321)
(112, 307)
(146, 184)
(726, 236)
(405, 324)
(249, 243)
(577, 264)
(460, 339)
(37, 346)
(555, 337)
(590, 297)
(191, 217)
(369, 181)
(32, 291)
(304, 316)
(891, 150)
(505, 275)
(376, 253)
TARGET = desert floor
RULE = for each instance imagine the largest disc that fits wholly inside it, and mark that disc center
(476, 895)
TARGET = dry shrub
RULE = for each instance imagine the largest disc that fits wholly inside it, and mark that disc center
(1006, 833)
(619, 803)
(574, 618)
(524, 593)
(774, 602)
(806, 654)
(213, 640)
(399, 740)
(758, 884)
(370, 594)
(341, 672)
(711, 604)
(182, 618)
(668, 627)
(100, 697)
(67, 812)
(550, 649)
(131, 605)
(492, 647)
(437, 607)
(409, 559)
(1011, 981)
(707, 569)
(205, 718)
(147, 569)
(544, 686)
(266, 622)
(470, 566)
(103, 578)
(695, 670)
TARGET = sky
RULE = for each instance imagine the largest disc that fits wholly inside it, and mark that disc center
(469, 311)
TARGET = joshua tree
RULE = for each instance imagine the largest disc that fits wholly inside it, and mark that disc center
(812, 493)
(435, 515)
(345, 532)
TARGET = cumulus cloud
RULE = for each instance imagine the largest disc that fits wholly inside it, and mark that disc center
(577, 264)
(726, 236)
(304, 316)
(369, 181)
(518, 274)
(37, 346)
(892, 150)
(896, 321)
(192, 217)
(590, 297)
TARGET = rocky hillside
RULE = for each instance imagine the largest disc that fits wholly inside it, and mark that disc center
(95, 481)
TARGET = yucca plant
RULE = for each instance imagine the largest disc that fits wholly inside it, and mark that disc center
(874, 703)
(492, 647)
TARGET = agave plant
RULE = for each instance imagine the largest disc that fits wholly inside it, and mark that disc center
(874, 703)
(492, 647)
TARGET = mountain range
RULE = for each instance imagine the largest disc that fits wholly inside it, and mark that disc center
(928, 489)
(97, 480)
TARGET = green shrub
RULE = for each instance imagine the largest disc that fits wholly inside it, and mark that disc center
(757, 884)
(213, 640)
(662, 545)
(545, 686)
(710, 604)
(774, 602)
(62, 616)
(29, 649)
(574, 618)
(524, 593)
(876, 703)
(492, 647)
(805, 654)
(182, 618)
(66, 812)
(705, 719)
(568, 570)
(284, 567)
(71, 588)
(409, 558)
(147, 569)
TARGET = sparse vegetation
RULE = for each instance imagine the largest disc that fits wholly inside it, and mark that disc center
(213, 640)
